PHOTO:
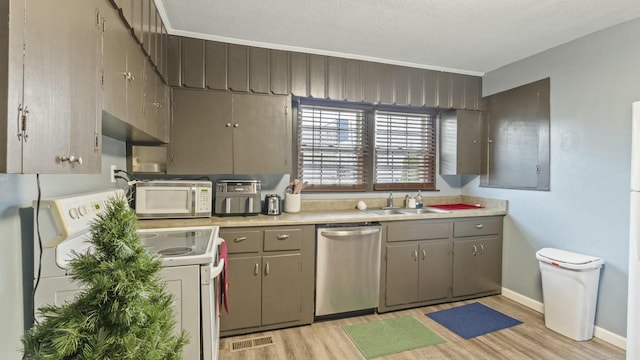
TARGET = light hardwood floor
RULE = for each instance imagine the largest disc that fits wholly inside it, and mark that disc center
(530, 340)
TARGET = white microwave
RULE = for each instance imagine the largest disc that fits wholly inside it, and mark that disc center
(156, 199)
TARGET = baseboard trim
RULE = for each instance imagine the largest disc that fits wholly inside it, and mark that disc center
(600, 333)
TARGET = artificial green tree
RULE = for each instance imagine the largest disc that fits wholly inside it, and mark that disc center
(124, 311)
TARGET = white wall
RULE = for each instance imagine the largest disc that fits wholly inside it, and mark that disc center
(594, 80)
(16, 235)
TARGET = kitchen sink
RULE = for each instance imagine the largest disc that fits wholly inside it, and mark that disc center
(405, 211)
(395, 211)
(426, 210)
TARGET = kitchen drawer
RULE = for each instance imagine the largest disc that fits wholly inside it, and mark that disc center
(282, 239)
(244, 241)
(418, 230)
(488, 226)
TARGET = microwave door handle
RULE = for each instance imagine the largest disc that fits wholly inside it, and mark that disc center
(227, 205)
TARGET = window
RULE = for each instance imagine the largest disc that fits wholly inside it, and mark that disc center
(405, 151)
(346, 147)
(332, 148)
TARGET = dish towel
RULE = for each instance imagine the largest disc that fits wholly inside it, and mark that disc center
(224, 281)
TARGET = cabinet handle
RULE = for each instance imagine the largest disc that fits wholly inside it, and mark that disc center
(236, 125)
(266, 269)
(256, 268)
(481, 249)
(414, 255)
(227, 125)
(424, 254)
(71, 159)
(282, 237)
(475, 250)
(479, 226)
(240, 239)
(475, 141)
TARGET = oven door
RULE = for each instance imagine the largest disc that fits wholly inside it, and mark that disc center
(209, 288)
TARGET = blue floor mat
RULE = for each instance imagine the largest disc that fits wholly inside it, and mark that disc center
(473, 320)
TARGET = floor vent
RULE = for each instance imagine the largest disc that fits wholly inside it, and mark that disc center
(251, 343)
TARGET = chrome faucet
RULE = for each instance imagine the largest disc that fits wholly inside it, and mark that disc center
(390, 200)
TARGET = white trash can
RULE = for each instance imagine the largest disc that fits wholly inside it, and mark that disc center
(570, 291)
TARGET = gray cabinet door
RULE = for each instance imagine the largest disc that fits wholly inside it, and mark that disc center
(216, 65)
(238, 65)
(434, 270)
(460, 142)
(174, 61)
(444, 90)
(62, 91)
(490, 264)
(259, 70)
(465, 277)
(279, 76)
(369, 82)
(192, 62)
(400, 85)
(115, 40)
(317, 76)
(281, 288)
(135, 84)
(472, 92)
(201, 141)
(335, 78)
(245, 310)
(457, 91)
(416, 87)
(299, 74)
(261, 134)
(401, 274)
(352, 80)
(430, 88)
(385, 83)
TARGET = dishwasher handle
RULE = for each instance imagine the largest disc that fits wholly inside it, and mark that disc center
(349, 233)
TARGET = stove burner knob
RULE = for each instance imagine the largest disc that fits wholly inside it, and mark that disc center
(73, 213)
(82, 210)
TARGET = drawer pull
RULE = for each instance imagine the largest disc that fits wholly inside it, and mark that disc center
(282, 237)
(240, 239)
(479, 226)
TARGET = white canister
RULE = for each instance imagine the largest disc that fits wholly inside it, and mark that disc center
(291, 203)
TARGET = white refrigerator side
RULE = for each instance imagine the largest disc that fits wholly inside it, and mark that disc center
(633, 307)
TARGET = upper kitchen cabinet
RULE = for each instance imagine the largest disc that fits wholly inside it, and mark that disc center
(516, 129)
(135, 100)
(192, 63)
(52, 103)
(460, 145)
(238, 133)
(223, 66)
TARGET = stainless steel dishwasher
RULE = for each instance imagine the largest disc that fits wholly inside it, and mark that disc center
(347, 268)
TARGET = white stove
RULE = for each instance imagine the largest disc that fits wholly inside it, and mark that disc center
(189, 256)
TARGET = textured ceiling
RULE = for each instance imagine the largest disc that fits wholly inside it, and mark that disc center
(465, 36)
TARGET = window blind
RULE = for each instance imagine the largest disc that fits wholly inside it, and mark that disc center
(332, 148)
(405, 151)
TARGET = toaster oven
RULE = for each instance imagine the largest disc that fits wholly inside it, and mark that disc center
(237, 197)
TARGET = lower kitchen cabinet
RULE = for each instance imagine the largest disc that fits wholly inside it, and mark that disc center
(417, 264)
(420, 272)
(271, 277)
(477, 259)
(434, 261)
